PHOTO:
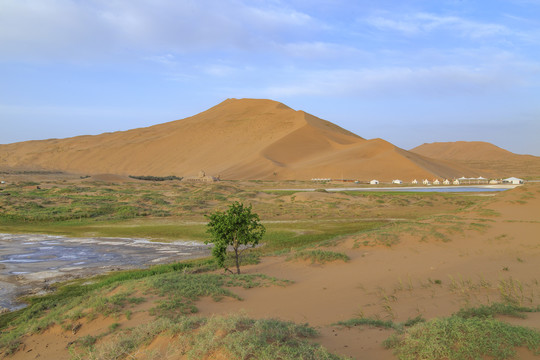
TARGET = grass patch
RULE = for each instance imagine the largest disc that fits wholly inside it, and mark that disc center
(182, 290)
(385, 324)
(318, 256)
(179, 290)
(457, 338)
(281, 236)
(229, 337)
(485, 311)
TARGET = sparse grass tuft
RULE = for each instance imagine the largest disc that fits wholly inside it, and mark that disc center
(485, 311)
(182, 290)
(318, 256)
(385, 324)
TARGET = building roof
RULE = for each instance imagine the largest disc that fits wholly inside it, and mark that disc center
(512, 178)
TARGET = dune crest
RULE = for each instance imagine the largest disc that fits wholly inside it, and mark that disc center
(484, 156)
(237, 139)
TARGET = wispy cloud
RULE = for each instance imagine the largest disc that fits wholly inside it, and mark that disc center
(421, 23)
(398, 81)
(318, 50)
(64, 29)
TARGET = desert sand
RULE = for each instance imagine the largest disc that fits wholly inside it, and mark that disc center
(484, 157)
(237, 139)
(483, 249)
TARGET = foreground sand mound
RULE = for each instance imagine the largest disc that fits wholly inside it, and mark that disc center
(483, 156)
(237, 139)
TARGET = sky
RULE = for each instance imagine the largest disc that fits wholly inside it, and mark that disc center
(410, 71)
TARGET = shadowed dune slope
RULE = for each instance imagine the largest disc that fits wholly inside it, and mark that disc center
(483, 156)
(237, 139)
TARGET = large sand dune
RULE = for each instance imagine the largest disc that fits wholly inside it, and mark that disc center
(483, 156)
(237, 139)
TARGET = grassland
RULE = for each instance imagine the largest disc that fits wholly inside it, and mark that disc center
(172, 210)
(304, 226)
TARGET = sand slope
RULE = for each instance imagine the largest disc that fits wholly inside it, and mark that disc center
(237, 139)
(483, 156)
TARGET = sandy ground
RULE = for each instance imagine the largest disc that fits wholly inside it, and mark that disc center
(236, 139)
(418, 276)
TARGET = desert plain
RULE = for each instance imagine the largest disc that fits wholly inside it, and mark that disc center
(338, 274)
(355, 266)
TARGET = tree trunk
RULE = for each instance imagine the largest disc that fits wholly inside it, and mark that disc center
(237, 258)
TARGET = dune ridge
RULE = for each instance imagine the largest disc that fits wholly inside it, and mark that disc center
(236, 139)
(484, 156)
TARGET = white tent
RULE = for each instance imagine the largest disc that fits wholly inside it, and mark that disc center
(513, 180)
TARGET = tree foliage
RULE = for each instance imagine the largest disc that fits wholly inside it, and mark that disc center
(237, 228)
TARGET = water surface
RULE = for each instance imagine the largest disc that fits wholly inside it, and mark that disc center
(26, 260)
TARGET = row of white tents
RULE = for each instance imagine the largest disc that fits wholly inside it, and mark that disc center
(461, 181)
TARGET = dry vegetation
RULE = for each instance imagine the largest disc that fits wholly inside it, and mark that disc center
(374, 275)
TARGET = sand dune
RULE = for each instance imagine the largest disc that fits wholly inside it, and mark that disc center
(237, 139)
(483, 156)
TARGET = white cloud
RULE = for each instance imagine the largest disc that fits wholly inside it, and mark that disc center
(397, 81)
(319, 50)
(60, 29)
(420, 23)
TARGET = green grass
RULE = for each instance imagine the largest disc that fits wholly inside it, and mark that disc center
(230, 337)
(318, 256)
(181, 291)
(174, 283)
(457, 338)
(281, 236)
(484, 311)
(385, 324)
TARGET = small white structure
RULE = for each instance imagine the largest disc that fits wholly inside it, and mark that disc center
(493, 182)
(446, 182)
(374, 182)
(425, 182)
(415, 181)
(455, 182)
(513, 180)
(397, 181)
(436, 182)
(473, 181)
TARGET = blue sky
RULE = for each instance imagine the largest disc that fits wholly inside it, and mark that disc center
(406, 71)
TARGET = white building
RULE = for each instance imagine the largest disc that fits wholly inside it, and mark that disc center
(415, 181)
(425, 182)
(473, 181)
(493, 182)
(446, 182)
(397, 181)
(436, 182)
(374, 182)
(513, 180)
(455, 182)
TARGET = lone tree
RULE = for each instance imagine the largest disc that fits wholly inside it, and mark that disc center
(238, 228)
